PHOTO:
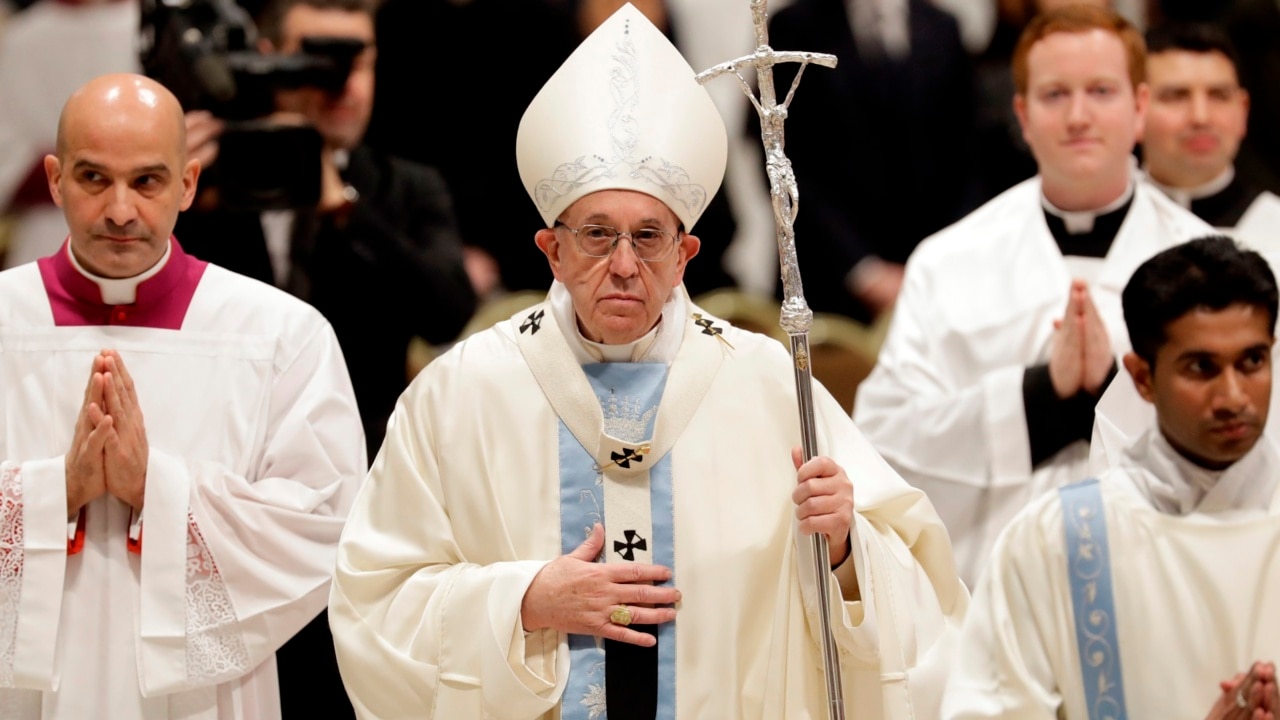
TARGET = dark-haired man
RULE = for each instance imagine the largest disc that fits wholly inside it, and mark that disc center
(1194, 127)
(1170, 554)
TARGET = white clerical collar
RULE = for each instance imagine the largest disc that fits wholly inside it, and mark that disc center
(660, 344)
(120, 291)
(1176, 486)
(1079, 222)
(1184, 196)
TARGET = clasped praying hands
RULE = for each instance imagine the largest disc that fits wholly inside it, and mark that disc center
(1081, 358)
(1251, 695)
(109, 447)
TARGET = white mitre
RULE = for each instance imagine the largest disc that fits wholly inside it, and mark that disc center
(623, 113)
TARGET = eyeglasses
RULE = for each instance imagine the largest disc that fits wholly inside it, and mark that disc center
(650, 244)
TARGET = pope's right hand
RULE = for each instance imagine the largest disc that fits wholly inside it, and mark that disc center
(575, 594)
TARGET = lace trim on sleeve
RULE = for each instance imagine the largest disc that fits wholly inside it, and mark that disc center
(11, 554)
(215, 649)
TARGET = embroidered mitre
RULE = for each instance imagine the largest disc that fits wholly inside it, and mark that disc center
(623, 113)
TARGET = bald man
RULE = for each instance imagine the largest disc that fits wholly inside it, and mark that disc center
(179, 445)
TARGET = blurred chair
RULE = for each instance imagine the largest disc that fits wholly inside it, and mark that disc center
(490, 312)
(744, 310)
(843, 352)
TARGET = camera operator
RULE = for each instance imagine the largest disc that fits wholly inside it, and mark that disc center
(378, 254)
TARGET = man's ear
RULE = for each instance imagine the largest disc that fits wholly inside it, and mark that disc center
(1020, 111)
(549, 244)
(688, 248)
(1140, 371)
(53, 173)
(1142, 99)
(190, 182)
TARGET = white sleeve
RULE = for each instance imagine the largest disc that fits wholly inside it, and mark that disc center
(911, 601)
(233, 566)
(33, 561)
(927, 421)
(1002, 667)
(419, 630)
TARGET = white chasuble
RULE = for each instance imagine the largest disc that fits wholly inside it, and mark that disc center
(616, 470)
(467, 502)
(1195, 588)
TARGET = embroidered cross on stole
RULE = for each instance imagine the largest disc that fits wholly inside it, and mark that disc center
(616, 433)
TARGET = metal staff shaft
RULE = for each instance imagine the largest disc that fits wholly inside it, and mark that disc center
(796, 318)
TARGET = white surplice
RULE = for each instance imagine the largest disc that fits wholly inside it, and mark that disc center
(461, 510)
(1259, 227)
(1196, 584)
(255, 454)
(944, 404)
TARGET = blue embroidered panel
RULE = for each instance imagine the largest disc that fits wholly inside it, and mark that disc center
(1084, 524)
(629, 394)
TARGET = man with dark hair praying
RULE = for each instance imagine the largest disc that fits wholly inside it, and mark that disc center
(1151, 591)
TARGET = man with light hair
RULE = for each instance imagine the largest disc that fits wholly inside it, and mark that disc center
(599, 505)
(179, 448)
(1007, 327)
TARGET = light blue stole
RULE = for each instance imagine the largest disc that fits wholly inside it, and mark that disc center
(1084, 524)
(629, 396)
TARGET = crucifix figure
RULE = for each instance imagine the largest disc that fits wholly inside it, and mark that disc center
(796, 316)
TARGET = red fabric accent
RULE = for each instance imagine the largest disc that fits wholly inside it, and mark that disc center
(76, 543)
(161, 302)
(33, 191)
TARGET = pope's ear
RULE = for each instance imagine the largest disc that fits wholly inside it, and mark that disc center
(549, 244)
(1140, 371)
(685, 251)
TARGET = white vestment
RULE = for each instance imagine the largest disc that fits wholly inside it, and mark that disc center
(461, 509)
(1259, 227)
(1196, 584)
(255, 454)
(944, 404)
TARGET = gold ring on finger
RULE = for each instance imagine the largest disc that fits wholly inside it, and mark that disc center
(621, 615)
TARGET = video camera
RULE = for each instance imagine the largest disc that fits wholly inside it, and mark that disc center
(205, 52)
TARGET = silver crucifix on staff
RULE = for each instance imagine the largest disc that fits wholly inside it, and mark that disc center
(796, 316)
